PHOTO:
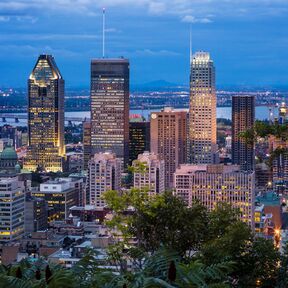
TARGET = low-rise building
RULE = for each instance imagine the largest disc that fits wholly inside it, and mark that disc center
(149, 173)
(60, 194)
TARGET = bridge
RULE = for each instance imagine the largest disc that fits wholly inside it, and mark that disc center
(16, 117)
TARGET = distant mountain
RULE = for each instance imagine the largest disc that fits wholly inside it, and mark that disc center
(156, 85)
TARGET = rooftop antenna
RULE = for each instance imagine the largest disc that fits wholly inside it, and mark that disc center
(103, 34)
(190, 45)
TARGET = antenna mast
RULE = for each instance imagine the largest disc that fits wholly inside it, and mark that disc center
(103, 34)
(190, 45)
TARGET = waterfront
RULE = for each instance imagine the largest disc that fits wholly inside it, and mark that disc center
(262, 113)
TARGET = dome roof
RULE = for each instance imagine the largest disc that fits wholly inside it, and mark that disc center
(8, 154)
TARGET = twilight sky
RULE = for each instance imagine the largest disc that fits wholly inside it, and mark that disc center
(248, 39)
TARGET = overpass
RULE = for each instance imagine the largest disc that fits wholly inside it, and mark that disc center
(16, 117)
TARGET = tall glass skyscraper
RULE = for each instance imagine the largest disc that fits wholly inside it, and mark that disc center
(110, 107)
(46, 149)
(202, 111)
(243, 117)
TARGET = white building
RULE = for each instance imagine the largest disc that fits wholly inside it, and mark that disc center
(153, 176)
(12, 205)
(104, 174)
(212, 184)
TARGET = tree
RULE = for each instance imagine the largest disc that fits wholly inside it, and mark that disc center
(161, 220)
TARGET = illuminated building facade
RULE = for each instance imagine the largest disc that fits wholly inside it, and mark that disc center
(168, 138)
(12, 207)
(243, 117)
(60, 194)
(46, 149)
(202, 110)
(153, 178)
(86, 143)
(110, 107)
(214, 183)
(279, 148)
(104, 174)
(139, 138)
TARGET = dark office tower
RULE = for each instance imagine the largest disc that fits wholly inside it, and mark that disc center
(110, 107)
(46, 149)
(86, 143)
(243, 117)
(139, 138)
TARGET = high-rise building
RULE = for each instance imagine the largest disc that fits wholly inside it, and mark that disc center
(46, 149)
(152, 177)
(104, 174)
(139, 137)
(215, 183)
(279, 150)
(110, 107)
(86, 143)
(243, 117)
(168, 139)
(202, 111)
(11, 209)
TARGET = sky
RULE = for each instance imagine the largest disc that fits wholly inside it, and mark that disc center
(247, 39)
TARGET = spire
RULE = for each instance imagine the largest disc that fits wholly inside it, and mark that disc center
(190, 40)
(103, 33)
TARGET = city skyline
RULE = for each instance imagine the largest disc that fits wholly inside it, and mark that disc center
(252, 37)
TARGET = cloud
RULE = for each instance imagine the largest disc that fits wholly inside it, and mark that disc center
(157, 7)
(149, 52)
(30, 19)
(178, 8)
(29, 50)
(46, 37)
(4, 18)
(192, 19)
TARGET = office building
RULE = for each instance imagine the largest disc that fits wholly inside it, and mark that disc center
(46, 149)
(168, 138)
(11, 209)
(36, 214)
(243, 117)
(214, 183)
(110, 107)
(152, 178)
(60, 195)
(86, 143)
(202, 111)
(139, 137)
(279, 148)
(104, 174)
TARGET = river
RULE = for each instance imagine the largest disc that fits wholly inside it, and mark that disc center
(262, 113)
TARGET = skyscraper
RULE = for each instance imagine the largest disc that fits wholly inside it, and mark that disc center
(110, 107)
(139, 137)
(279, 147)
(104, 174)
(243, 117)
(168, 137)
(86, 143)
(46, 149)
(202, 110)
(216, 183)
(153, 178)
